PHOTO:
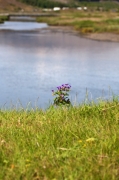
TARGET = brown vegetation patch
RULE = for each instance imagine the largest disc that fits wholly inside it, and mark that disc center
(14, 5)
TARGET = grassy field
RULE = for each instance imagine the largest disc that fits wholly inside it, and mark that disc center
(73, 143)
(85, 21)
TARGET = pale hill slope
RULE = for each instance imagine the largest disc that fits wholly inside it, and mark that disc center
(14, 5)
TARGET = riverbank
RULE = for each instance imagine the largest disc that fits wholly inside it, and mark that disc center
(105, 36)
(60, 143)
(94, 25)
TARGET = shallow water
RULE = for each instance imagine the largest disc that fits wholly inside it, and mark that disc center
(34, 63)
(19, 26)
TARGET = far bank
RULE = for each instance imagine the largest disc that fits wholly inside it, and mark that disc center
(94, 25)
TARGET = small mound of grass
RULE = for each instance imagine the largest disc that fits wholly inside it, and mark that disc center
(3, 18)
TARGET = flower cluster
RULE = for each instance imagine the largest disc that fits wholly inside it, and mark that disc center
(62, 95)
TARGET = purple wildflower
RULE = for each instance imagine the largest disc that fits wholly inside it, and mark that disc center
(62, 95)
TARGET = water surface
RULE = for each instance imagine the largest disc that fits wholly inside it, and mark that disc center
(17, 26)
(34, 63)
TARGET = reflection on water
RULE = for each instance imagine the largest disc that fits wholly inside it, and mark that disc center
(34, 63)
(13, 25)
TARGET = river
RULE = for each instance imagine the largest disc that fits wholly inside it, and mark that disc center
(34, 60)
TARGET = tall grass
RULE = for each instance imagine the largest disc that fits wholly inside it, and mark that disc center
(79, 142)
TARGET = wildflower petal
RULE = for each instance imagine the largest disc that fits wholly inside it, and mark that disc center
(90, 139)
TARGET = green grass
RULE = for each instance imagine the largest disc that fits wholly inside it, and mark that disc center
(85, 22)
(79, 142)
(3, 18)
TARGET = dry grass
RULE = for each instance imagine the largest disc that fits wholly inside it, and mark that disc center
(14, 5)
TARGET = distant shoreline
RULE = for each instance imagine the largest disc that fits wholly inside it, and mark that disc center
(105, 36)
(111, 37)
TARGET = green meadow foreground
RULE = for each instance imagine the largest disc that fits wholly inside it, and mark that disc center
(73, 143)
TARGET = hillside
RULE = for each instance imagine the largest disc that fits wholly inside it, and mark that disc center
(14, 5)
(30, 5)
(20, 5)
